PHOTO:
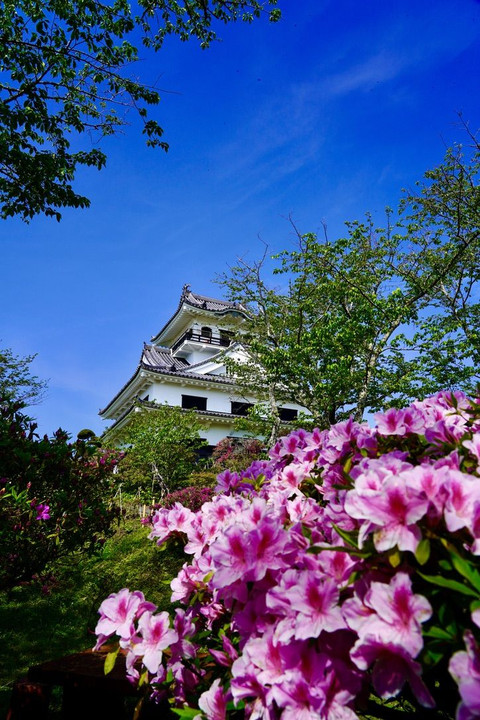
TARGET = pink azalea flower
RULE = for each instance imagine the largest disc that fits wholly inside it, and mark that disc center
(228, 655)
(473, 446)
(463, 494)
(154, 635)
(465, 669)
(400, 422)
(313, 604)
(390, 512)
(118, 613)
(185, 629)
(390, 614)
(393, 667)
(447, 430)
(213, 702)
(191, 578)
(43, 512)
(239, 554)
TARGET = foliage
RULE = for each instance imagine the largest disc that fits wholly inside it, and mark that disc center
(192, 497)
(162, 443)
(16, 380)
(380, 315)
(236, 453)
(205, 477)
(65, 75)
(263, 418)
(340, 578)
(55, 496)
(46, 622)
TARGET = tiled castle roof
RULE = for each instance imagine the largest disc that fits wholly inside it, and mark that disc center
(207, 303)
(154, 357)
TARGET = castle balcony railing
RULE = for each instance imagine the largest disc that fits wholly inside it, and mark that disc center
(191, 336)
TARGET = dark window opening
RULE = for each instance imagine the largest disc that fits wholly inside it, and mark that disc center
(241, 408)
(194, 402)
(206, 333)
(287, 414)
(205, 451)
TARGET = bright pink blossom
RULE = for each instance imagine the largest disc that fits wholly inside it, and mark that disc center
(118, 612)
(392, 668)
(213, 702)
(154, 636)
(43, 512)
(465, 669)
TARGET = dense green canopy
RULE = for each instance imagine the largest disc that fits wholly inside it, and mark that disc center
(65, 75)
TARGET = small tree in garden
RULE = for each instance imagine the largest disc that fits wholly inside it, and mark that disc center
(17, 381)
(162, 449)
(55, 496)
(337, 580)
(382, 315)
(236, 453)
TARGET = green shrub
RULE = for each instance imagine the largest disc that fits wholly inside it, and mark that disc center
(55, 496)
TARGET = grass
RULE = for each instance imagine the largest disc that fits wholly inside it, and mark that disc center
(35, 627)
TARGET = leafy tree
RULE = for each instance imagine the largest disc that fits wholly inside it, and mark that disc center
(64, 68)
(16, 380)
(237, 453)
(380, 315)
(55, 496)
(162, 448)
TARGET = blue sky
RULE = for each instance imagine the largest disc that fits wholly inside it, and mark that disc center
(323, 116)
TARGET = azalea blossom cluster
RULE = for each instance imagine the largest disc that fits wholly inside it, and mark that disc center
(346, 566)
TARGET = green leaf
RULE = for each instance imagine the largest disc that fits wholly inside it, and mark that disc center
(349, 537)
(436, 632)
(110, 661)
(231, 706)
(143, 679)
(449, 584)
(395, 558)
(422, 553)
(432, 656)
(465, 568)
(185, 713)
(445, 565)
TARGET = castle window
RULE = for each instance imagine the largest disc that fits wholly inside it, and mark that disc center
(241, 408)
(195, 402)
(225, 338)
(206, 334)
(287, 414)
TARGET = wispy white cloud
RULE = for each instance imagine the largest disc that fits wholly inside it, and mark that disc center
(384, 65)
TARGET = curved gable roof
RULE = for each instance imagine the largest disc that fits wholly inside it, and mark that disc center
(201, 302)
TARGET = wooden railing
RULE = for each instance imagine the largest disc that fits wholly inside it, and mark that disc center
(198, 337)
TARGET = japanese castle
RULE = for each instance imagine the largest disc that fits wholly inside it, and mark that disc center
(184, 365)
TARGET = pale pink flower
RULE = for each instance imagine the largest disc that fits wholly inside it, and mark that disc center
(118, 613)
(154, 635)
(465, 669)
(213, 702)
(463, 494)
(473, 446)
(398, 613)
(400, 422)
(390, 512)
(392, 668)
(239, 554)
